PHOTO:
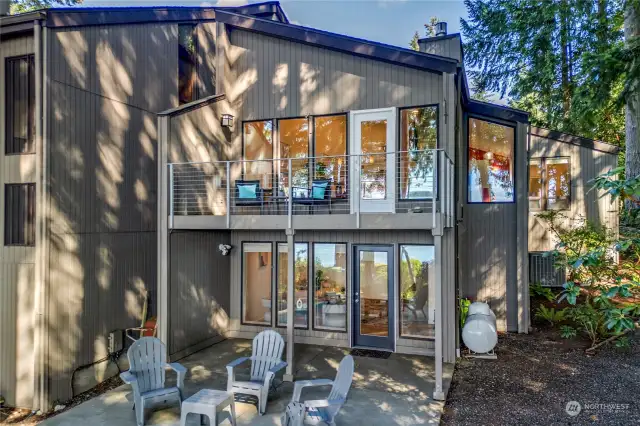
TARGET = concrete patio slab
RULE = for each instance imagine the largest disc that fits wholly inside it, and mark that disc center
(393, 391)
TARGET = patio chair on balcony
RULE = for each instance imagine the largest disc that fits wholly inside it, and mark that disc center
(266, 361)
(248, 193)
(323, 410)
(319, 194)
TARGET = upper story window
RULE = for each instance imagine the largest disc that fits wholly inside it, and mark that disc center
(491, 162)
(549, 183)
(257, 137)
(19, 214)
(330, 143)
(20, 105)
(187, 63)
(294, 144)
(418, 133)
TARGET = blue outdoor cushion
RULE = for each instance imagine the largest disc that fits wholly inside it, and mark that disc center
(247, 191)
(318, 190)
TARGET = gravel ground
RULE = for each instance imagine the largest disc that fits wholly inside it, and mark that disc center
(536, 375)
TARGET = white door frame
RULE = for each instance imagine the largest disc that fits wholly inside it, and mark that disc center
(388, 204)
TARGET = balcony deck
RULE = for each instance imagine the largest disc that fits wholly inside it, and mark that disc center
(206, 195)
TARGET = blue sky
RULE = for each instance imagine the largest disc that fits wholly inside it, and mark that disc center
(387, 21)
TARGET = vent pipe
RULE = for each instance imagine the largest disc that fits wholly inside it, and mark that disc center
(441, 29)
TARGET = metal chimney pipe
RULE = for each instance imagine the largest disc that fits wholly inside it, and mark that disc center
(441, 28)
(4, 7)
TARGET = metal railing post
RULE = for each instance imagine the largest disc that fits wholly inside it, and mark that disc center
(358, 172)
(171, 201)
(290, 206)
(452, 190)
(434, 195)
(228, 185)
(441, 184)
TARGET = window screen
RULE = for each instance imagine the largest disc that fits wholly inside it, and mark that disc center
(19, 214)
(20, 103)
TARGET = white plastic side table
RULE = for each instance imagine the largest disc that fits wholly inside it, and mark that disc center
(208, 402)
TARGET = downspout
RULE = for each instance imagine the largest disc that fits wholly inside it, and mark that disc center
(40, 334)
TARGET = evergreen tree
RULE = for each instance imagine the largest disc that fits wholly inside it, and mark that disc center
(547, 58)
(21, 6)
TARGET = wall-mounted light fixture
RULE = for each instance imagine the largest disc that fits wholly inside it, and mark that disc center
(227, 120)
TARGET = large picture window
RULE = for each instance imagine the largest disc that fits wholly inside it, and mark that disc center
(491, 162)
(301, 284)
(417, 291)
(20, 105)
(418, 133)
(549, 183)
(294, 144)
(330, 286)
(330, 136)
(257, 147)
(256, 283)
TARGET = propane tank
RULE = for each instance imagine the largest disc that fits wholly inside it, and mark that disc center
(479, 332)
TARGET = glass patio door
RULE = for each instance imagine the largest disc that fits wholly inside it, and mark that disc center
(373, 307)
(373, 143)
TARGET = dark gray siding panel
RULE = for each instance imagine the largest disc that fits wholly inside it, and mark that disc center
(448, 47)
(102, 164)
(278, 78)
(207, 59)
(98, 283)
(199, 278)
(133, 64)
(103, 85)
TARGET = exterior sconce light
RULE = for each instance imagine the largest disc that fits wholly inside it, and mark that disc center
(227, 120)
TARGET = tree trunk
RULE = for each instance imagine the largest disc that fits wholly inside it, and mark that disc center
(564, 62)
(632, 119)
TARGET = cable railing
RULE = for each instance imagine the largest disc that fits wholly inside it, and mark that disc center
(415, 182)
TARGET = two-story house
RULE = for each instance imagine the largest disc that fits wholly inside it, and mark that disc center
(235, 172)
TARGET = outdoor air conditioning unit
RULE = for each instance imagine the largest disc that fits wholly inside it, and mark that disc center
(543, 271)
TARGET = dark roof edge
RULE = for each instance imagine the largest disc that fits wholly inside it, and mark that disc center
(575, 140)
(498, 111)
(258, 9)
(182, 109)
(442, 37)
(21, 23)
(339, 42)
(77, 17)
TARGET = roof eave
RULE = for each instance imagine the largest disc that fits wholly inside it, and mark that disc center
(567, 138)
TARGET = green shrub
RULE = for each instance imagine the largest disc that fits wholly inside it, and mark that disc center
(590, 320)
(464, 311)
(567, 332)
(551, 315)
(539, 291)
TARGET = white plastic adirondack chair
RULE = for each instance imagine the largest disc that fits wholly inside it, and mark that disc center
(147, 363)
(266, 361)
(325, 410)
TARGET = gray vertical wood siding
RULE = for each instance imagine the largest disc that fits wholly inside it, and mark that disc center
(491, 241)
(586, 164)
(199, 277)
(17, 264)
(448, 47)
(104, 86)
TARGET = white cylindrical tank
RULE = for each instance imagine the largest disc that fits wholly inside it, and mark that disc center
(479, 332)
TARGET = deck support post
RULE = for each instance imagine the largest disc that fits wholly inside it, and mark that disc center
(438, 392)
(288, 376)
